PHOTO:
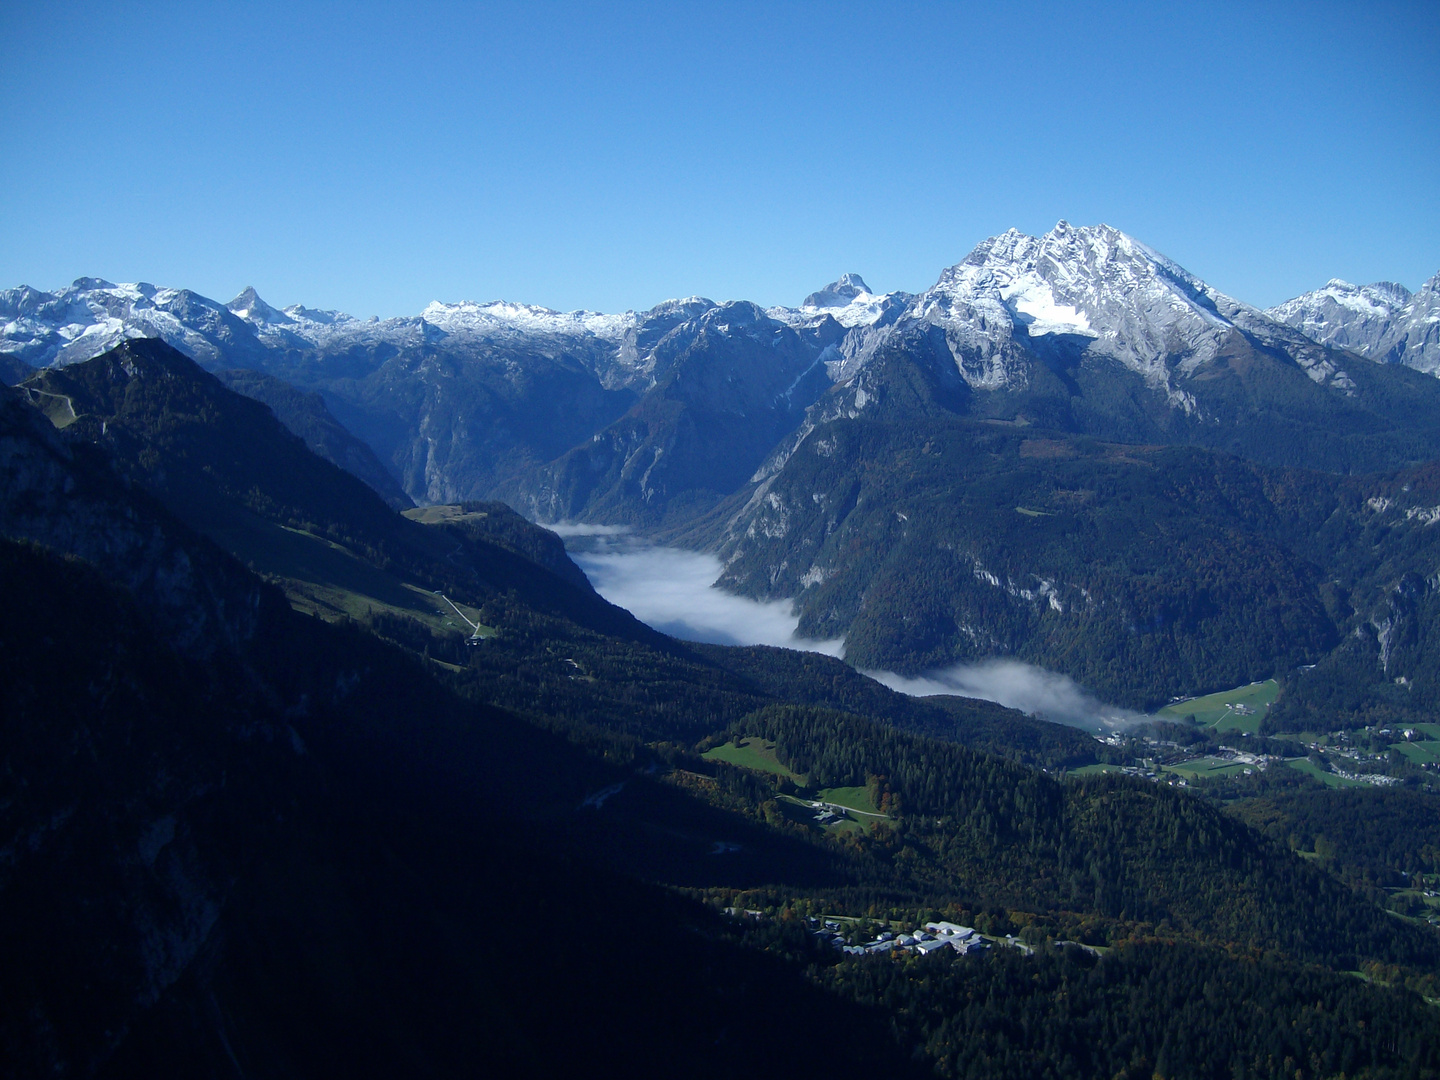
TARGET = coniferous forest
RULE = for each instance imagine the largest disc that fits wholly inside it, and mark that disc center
(275, 811)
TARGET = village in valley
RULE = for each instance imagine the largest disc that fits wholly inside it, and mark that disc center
(931, 937)
(1218, 737)
(865, 937)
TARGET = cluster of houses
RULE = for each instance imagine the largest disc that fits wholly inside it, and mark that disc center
(935, 935)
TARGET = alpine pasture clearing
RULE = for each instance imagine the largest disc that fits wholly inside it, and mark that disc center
(1421, 753)
(753, 753)
(1202, 768)
(1305, 765)
(852, 798)
(1095, 770)
(1240, 709)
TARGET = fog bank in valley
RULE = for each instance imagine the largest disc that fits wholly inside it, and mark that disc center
(1034, 690)
(673, 590)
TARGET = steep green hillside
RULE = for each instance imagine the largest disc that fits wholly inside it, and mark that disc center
(990, 834)
(1140, 571)
(224, 464)
(249, 838)
(305, 414)
(1144, 572)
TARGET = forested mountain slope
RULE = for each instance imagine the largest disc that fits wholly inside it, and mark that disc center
(609, 417)
(924, 537)
(305, 414)
(327, 850)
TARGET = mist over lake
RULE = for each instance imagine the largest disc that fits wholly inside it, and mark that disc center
(673, 590)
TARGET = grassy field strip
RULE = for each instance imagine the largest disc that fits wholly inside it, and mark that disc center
(1200, 768)
(60, 420)
(1240, 709)
(473, 627)
(803, 811)
(1095, 770)
(323, 578)
(1422, 753)
(1305, 765)
(851, 798)
(753, 753)
(759, 754)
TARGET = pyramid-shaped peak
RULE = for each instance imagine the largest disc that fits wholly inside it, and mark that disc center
(838, 293)
(250, 307)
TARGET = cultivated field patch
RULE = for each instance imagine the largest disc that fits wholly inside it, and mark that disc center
(1305, 765)
(753, 753)
(1240, 709)
(1205, 767)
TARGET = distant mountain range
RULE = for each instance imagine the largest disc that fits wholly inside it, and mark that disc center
(586, 415)
(796, 441)
(1384, 322)
(293, 783)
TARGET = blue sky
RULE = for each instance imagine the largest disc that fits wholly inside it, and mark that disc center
(373, 157)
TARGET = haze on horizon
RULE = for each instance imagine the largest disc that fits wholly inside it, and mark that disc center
(609, 158)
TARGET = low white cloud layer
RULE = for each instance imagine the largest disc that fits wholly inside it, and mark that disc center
(1046, 694)
(571, 529)
(673, 591)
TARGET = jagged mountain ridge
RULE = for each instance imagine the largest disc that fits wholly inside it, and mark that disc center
(1132, 304)
(465, 400)
(91, 316)
(1382, 321)
(587, 415)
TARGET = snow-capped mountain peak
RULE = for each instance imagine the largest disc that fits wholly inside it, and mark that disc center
(839, 293)
(1094, 283)
(850, 302)
(1090, 290)
(1077, 291)
(251, 308)
(1382, 321)
(93, 315)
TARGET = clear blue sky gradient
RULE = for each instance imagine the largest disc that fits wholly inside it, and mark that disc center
(372, 157)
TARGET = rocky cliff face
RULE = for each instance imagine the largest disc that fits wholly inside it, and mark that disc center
(652, 416)
(1383, 322)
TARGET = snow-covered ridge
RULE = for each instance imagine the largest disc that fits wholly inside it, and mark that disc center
(847, 300)
(1382, 321)
(92, 315)
(1093, 289)
(469, 317)
(1102, 292)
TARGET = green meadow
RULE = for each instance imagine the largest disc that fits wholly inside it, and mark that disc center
(1205, 767)
(1305, 765)
(1240, 709)
(753, 753)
